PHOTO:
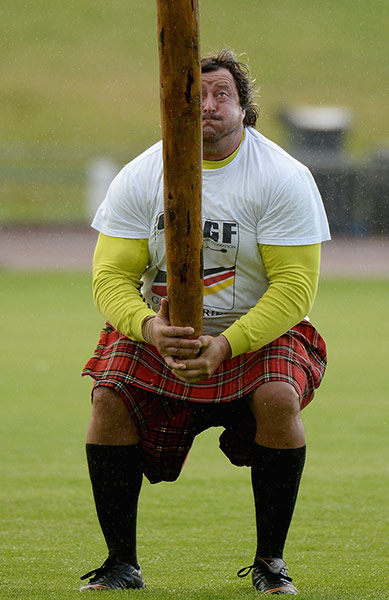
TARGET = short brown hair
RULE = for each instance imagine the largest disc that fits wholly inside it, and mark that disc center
(245, 85)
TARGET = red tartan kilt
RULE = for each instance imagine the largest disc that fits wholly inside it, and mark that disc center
(168, 414)
(298, 357)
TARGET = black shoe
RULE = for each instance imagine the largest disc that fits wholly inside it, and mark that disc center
(114, 574)
(270, 576)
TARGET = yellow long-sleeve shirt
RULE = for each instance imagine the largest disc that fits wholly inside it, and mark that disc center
(292, 271)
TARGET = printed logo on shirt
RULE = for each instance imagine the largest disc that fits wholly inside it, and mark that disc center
(221, 244)
(159, 284)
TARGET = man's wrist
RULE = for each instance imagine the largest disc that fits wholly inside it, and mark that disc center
(147, 329)
(225, 346)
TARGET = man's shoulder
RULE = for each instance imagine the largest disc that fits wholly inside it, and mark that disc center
(142, 173)
(149, 158)
(270, 153)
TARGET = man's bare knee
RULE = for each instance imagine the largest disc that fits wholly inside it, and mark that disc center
(110, 421)
(276, 408)
(275, 397)
(108, 401)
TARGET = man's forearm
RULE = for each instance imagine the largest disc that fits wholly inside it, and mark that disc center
(117, 267)
(293, 273)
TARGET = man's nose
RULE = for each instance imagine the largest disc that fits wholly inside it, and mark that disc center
(208, 104)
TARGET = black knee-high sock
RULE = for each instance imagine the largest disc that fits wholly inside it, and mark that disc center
(275, 476)
(116, 476)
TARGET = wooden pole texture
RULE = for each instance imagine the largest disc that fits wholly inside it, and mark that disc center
(180, 92)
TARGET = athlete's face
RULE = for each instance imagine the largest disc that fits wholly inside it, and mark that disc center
(222, 114)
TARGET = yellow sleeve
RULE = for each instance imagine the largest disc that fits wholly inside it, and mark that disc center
(118, 265)
(293, 273)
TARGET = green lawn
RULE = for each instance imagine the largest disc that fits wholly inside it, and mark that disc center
(196, 533)
(86, 74)
(80, 79)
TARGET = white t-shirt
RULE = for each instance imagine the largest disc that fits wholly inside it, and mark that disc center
(263, 196)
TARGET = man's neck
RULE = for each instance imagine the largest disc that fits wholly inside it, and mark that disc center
(223, 148)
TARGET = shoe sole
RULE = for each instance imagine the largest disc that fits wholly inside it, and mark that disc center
(100, 586)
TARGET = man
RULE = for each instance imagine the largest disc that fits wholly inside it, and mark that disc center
(257, 363)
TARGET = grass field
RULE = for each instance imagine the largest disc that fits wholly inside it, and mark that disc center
(80, 79)
(87, 73)
(196, 533)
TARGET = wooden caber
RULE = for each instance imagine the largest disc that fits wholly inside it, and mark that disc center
(180, 93)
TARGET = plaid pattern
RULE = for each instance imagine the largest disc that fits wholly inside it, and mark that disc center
(118, 359)
(168, 413)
